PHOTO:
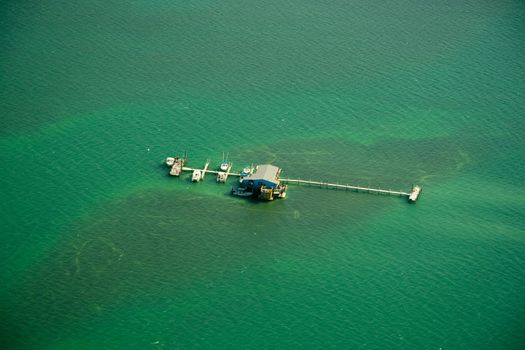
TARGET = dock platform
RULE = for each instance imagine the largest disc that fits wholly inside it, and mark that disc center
(222, 176)
(210, 171)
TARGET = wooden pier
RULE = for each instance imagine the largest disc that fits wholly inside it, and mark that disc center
(412, 195)
(222, 176)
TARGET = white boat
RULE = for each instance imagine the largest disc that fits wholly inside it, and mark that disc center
(196, 176)
(225, 165)
(170, 161)
(247, 170)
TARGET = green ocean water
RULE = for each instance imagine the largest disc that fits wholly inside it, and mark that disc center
(101, 249)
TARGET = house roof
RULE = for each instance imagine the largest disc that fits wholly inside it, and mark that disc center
(265, 172)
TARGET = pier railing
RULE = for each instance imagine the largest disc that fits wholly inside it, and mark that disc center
(323, 184)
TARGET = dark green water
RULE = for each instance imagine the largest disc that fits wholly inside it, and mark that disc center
(102, 250)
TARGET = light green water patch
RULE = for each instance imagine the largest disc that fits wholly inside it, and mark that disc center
(454, 254)
(268, 277)
(99, 241)
(131, 247)
(57, 173)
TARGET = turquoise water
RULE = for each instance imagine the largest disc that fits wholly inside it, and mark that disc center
(101, 249)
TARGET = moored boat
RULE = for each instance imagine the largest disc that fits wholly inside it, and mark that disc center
(196, 176)
(247, 170)
(170, 161)
(225, 165)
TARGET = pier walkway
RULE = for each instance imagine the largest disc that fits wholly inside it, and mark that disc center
(346, 187)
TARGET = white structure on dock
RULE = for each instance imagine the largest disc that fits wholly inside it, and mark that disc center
(416, 191)
(264, 183)
(196, 176)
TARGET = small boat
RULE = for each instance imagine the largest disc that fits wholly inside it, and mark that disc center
(221, 176)
(225, 165)
(247, 170)
(170, 161)
(196, 176)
